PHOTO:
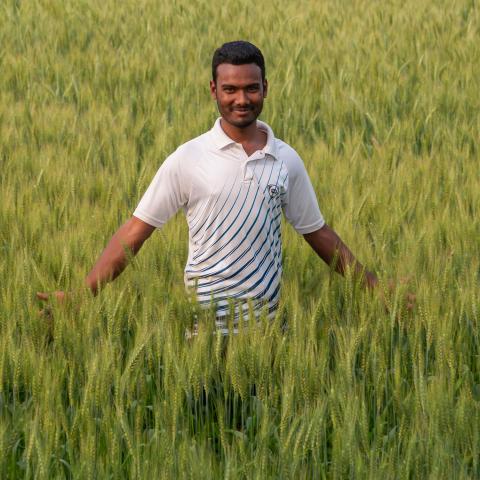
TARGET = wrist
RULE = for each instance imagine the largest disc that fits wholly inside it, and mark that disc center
(90, 286)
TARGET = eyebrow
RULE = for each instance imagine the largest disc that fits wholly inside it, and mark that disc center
(228, 85)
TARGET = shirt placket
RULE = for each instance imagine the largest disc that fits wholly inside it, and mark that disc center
(248, 173)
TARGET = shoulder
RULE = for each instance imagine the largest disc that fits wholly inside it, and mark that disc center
(289, 156)
(186, 154)
(192, 148)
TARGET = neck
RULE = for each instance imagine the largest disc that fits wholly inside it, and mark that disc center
(240, 135)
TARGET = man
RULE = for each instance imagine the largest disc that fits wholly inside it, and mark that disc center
(233, 183)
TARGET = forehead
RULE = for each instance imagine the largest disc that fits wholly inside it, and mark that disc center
(239, 74)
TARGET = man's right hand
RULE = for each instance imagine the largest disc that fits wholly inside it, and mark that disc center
(59, 296)
(46, 312)
(129, 237)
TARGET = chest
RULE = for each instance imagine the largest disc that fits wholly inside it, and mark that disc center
(229, 179)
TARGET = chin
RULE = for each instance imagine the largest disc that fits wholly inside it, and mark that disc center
(242, 123)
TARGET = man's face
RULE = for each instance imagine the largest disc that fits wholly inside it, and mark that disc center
(239, 92)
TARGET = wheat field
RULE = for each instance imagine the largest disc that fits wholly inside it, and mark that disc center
(381, 101)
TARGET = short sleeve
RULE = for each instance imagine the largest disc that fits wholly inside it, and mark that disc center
(300, 204)
(166, 194)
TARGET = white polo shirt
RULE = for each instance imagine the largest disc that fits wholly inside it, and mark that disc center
(233, 204)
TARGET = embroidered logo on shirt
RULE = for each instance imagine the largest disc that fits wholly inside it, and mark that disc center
(273, 190)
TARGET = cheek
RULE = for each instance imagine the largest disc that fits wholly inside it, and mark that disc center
(224, 101)
(221, 102)
(258, 100)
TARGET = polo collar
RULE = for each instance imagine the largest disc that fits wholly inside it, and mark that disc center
(222, 140)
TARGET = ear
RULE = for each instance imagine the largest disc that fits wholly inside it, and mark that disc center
(213, 89)
(265, 88)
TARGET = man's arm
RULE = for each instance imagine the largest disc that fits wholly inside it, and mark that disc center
(126, 241)
(330, 248)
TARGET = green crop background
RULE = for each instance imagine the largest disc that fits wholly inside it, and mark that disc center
(381, 99)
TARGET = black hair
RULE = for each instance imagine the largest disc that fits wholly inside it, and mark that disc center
(237, 53)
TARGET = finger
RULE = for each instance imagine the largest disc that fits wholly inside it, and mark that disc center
(60, 296)
(42, 296)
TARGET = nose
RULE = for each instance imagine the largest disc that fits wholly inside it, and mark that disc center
(242, 98)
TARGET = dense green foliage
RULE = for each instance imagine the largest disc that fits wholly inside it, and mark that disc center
(381, 100)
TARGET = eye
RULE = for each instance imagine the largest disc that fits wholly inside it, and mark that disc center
(253, 88)
(228, 89)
